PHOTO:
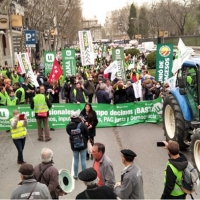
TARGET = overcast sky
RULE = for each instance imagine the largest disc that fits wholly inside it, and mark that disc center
(100, 7)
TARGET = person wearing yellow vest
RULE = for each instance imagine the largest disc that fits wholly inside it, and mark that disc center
(18, 134)
(12, 100)
(14, 78)
(41, 105)
(19, 92)
(3, 96)
(173, 174)
(78, 94)
(4, 72)
(61, 80)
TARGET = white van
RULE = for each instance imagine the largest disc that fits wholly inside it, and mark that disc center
(148, 45)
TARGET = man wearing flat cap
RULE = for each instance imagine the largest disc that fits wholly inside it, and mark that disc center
(131, 184)
(93, 191)
(30, 188)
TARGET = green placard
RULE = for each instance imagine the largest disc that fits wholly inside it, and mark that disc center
(164, 62)
(108, 115)
(49, 57)
(118, 55)
(69, 62)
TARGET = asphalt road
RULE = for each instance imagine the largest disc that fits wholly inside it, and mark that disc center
(140, 138)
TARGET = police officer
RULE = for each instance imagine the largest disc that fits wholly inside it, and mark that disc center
(41, 105)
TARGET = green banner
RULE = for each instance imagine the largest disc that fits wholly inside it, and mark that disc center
(118, 55)
(49, 57)
(69, 62)
(164, 62)
(108, 115)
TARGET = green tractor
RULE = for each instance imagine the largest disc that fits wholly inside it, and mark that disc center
(181, 116)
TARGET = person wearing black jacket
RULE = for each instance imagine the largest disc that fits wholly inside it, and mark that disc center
(75, 121)
(89, 117)
(130, 92)
(175, 165)
(93, 191)
(120, 95)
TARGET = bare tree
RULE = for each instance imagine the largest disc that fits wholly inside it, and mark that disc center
(178, 12)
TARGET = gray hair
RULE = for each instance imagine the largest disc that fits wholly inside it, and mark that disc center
(46, 155)
(102, 86)
(94, 182)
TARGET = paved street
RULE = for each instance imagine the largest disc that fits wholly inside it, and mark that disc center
(140, 138)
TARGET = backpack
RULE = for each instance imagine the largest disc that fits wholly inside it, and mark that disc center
(190, 179)
(147, 89)
(77, 137)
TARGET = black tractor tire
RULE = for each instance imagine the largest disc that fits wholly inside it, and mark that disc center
(195, 147)
(173, 121)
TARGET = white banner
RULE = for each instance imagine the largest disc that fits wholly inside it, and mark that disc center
(137, 89)
(25, 66)
(86, 48)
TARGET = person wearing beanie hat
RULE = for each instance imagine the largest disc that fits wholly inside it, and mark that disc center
(131, 184)
(93, 191)
(79, 147)
(29, 188)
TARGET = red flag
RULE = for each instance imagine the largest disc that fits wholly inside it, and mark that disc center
(56, 71)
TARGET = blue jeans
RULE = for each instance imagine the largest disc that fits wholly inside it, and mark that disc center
(76, 160)
(20, 143)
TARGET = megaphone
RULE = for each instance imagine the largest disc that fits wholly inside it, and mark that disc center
(66, 181)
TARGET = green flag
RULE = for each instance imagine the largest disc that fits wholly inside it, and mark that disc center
(164, 62)
(49, 57)
(118, 55)
(69, 62)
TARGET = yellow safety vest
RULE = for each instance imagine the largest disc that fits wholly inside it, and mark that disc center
(23, 94)
(12, 102)
(18, 132)
(75, 92)
(177, 190)
(14, 79)
(3, 98)
(40, 104)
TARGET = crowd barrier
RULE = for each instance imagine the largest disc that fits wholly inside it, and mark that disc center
(108, 115)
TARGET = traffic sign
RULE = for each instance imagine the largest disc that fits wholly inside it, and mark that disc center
(30, 37)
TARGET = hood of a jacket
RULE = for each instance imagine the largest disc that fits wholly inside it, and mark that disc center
(180, 163)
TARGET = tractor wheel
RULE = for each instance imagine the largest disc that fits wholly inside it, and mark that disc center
(173, 121)
(195, 147)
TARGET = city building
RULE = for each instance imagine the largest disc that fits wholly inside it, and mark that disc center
(93, 26)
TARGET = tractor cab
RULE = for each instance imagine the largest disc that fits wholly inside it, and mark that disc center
(187, 82)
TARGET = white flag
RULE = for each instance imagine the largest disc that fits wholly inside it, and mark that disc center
(172, 82)
(137, 89)
(181, 56)
(132, 64)
(139, 65)
(113, 69)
